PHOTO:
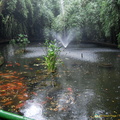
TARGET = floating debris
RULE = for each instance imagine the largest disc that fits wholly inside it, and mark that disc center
(106, 65)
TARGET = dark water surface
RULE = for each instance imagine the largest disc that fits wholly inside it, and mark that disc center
(86, 85)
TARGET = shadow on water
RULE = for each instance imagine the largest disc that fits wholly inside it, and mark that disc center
(85, 87)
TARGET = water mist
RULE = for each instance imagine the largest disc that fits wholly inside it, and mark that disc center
(66, 37)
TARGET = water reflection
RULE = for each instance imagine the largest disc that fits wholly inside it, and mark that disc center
(8, 52)
(81, 55)
(85, 52)
(34, 52)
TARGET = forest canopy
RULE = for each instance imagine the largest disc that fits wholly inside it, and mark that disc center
(97, 20)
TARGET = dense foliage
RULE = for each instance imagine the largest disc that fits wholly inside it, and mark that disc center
(22, 41)
(97, 20)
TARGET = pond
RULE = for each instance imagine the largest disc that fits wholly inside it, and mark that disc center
(85, 86)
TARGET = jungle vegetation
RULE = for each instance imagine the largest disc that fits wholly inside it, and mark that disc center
(97, 20)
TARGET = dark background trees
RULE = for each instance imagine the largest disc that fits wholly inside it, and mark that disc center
(97, 20)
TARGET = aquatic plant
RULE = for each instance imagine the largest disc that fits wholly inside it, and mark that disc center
(50, 59)
(22, 41)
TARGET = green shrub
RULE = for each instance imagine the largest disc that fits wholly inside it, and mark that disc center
(22, 41)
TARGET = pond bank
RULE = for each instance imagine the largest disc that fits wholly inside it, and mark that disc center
(4, 41)
(102, 44)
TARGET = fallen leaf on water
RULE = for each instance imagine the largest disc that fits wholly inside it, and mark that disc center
(34, 93)
(20, 105)
(67, 101)
(9, 62)
(70, 89)
(19, 83)
(55, 109)
(0, 107)
(9, 76)
(2, 90)
(4, 100)
(53, 103)
(49, 98)
(18, 64)
(1, 82)
(23, 90)
(31, 68)
(2, 74)
(21, 97)
(63, 109)
(78, 95)
(26, 66)
(8, 103)
(44, 102)
(9, 65)
(4, 94)
(118, 55)
(115, 112)
(51, 109)
(14, 72)
(21, 78)
(25, 94)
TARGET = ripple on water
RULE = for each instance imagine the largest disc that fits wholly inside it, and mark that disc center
(33, 109)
